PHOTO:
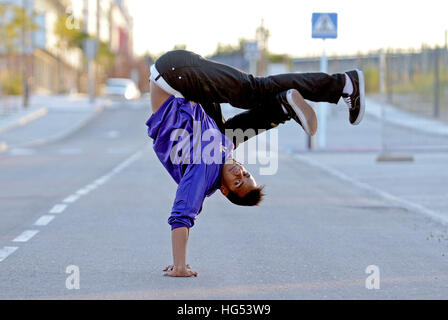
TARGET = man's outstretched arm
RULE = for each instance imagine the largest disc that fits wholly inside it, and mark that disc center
(179, 239)
(190, 195)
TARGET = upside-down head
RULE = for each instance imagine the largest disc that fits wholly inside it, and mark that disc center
(239, 186)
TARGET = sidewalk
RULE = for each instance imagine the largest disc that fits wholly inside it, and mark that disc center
(351, 155)
(48, 118)
(405, 119)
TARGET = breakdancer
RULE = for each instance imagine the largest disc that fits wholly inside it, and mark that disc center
(195, 143)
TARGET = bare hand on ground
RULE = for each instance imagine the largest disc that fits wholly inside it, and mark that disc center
(180, 272)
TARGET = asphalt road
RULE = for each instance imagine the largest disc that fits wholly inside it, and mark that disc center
(313, 238)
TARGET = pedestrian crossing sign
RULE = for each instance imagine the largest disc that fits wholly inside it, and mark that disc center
(325, 25)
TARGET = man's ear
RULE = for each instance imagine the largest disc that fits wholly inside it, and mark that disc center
(224, 190)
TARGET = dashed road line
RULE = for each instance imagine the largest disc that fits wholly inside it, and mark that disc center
(6, 251)
(26, 236)
(91, 187)
(44, 220)
(22, 152)
(86, 190)
(71, 199)
(82, 192)
(101, 181)
(59, 208)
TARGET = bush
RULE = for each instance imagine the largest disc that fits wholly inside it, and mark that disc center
(421, 83)
(12, 84)
(372, 80)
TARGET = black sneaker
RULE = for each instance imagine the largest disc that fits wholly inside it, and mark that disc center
(357, 100)
(299, 110)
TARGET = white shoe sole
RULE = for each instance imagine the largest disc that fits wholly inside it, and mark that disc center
(303, 110)
(362, 97)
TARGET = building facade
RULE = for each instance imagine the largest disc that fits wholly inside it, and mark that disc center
(52, 68)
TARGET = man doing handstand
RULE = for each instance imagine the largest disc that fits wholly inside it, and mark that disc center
(186, 91)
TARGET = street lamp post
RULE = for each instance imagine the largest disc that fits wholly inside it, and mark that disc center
(324, 26)
(26, 51)
(89, 53)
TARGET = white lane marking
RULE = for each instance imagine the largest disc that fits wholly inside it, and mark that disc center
(126, 163)
(82, 192)
(91, 187)
(59, 208)
(86, 190)
(26, 235)
(44, 220)
(21, 152)
(71, 199)
(6, 251)
(99, 182)
(102, 180)
(409, 205)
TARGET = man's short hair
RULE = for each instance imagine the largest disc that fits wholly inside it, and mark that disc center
(252, 198)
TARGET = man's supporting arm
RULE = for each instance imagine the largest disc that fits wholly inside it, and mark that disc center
(190, 195)
(179, 239)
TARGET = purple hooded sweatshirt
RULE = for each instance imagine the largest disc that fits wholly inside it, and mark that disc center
(192, 149)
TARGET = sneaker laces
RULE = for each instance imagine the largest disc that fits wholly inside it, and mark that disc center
(348, 101)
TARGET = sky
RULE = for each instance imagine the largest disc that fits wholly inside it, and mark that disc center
(363, 25)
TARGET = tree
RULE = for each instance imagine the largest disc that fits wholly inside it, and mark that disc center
(70, 36)
(105, 57)
(13, 22)
(180, 47)
(228, 49)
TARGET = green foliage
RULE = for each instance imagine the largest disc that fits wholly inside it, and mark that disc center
(12, 20)
(226, 49)
(277, 58)
(180, 47)
(70, 36)
(421, 83)
(106, 57)
(11, 84)
(372, 79)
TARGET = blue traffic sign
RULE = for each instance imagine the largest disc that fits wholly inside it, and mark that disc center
(325, 25)
(251, 50)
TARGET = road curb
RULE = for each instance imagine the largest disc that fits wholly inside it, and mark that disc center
(60, 135)
(406, 119)
(24, 120)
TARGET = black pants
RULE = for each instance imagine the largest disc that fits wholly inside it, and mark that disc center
(210, 83)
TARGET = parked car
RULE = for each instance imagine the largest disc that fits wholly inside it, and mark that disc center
(121, 89)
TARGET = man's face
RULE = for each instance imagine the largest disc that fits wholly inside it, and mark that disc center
(237, 179)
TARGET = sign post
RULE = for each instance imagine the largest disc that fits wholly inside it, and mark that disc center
(252, 53)
(91, 51)
(324, 26)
